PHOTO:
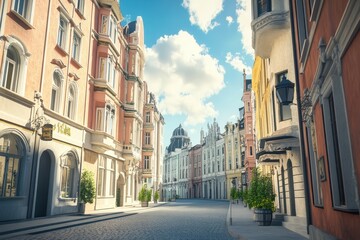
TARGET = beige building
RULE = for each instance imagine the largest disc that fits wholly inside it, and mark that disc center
(278, 149)
(234, 155)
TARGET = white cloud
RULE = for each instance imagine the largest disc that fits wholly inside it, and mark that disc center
(230, 20)
(183, 76)
(237, 63)
(202, 13)
(243, 11)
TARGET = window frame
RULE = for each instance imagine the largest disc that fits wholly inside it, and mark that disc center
(26, 14)
(333, 86)
(76, 46)
(58, 89)
(62, 41)
(71, 112)
(71, 170)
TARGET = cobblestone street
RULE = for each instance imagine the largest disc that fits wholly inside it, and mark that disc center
(184, 219)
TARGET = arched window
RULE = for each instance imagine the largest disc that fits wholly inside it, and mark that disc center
(71, 102)
(11, 72)
(11, 153)
(56, 91)
(69, 175)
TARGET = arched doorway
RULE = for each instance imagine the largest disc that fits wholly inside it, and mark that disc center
(291, 188)
(42, 192)
(120, 187)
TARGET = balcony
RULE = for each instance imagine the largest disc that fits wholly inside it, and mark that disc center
(271, 19)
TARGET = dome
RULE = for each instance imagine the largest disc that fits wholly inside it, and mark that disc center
(179, 139)
(179, 131)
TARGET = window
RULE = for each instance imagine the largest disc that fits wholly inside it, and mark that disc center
(230, 163)
(68, 167)
(23, 8)
(62, 32)
(147, 162)
(11, 153)
(105, 119)
(56, 91)
(147, 138)
(147, 117)
(263, 6)
(76, 47)
(237, 162)
(251, 151)
(284, 110)
(111, 174)
(112, 29)
(311, 144)
(71, 102)
(109, 119)
(301, 23)
(107, 71)
(340, 159)
(101, 177)
(11, 73)
(80, 5)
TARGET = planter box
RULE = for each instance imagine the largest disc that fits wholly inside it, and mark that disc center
(144, 204)
(263, 217)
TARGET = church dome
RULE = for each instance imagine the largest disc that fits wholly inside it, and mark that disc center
(179, 139)
(179, 131)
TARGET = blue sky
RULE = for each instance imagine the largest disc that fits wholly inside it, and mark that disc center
(196, 51)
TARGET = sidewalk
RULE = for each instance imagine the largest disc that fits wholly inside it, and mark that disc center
(244, 227)
(12, 229)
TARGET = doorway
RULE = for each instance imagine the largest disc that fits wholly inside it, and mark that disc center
(42, 192)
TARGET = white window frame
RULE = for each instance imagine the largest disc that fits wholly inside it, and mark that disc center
(63, 32)
(18, 80)
(147, 117)
(146, 162)
(58, 90)
(25, 11)
(147, 138)
(101, 177)
(107, 71)
(72, 101)
(80, 6)
(68, 164)
(76, 47)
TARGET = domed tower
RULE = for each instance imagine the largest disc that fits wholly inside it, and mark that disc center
(179, 139)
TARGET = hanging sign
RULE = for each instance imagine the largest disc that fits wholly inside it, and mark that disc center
(47, 131)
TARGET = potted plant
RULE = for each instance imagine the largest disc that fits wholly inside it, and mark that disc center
(261, 197)
(156, 196)
(144, 196)
(87, 189)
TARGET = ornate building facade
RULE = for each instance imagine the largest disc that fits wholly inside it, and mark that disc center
(84, 76)
(277, 132)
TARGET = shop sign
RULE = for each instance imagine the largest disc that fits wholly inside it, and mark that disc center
(47, 131)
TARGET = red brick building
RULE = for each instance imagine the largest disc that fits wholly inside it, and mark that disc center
(327, 46)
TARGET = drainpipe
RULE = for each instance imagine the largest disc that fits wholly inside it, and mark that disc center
(301, 130)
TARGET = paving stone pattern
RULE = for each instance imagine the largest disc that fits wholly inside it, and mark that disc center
(184, 219)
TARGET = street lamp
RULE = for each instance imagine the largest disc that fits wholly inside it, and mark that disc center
(285, 91)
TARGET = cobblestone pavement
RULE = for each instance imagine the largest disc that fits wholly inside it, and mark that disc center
(184, 219)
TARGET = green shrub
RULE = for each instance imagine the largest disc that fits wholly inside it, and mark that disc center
(87, 187)
(260, 194)
(144, 194)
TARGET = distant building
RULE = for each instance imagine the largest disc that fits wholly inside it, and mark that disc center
(195, 172)
(235, 155)
(213, 157)
(175, 166)
(249, 135)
